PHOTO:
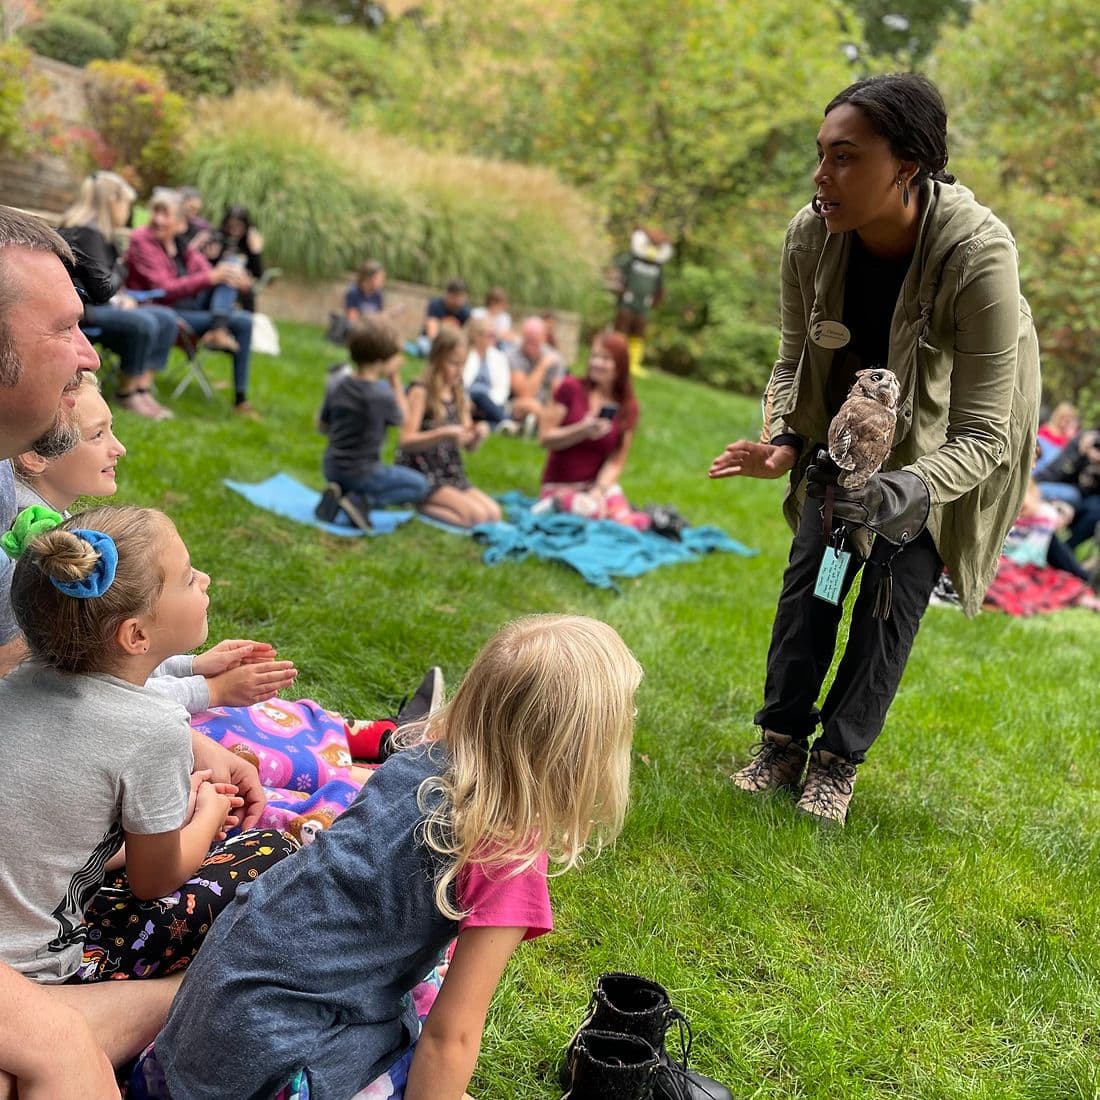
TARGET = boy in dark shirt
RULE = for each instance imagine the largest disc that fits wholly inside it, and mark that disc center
(358, 408)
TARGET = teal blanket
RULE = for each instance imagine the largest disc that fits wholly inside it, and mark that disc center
(597, 549)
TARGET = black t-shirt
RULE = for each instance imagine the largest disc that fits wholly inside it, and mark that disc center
(439, 309)
(357, 412)
(871, 289)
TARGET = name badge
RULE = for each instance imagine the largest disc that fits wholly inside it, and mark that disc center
(830, 575)
(829, 334)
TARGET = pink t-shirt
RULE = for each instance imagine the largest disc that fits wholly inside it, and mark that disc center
(494, 899)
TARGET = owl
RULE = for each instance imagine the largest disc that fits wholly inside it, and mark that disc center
(862, 432)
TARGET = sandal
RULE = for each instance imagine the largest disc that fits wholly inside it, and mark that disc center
(134, 401)
(219, 339)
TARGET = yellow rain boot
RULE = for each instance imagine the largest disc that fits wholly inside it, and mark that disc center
(637, 354)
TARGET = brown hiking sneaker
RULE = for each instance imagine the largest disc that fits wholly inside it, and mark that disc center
(777, 762)
(828, 789)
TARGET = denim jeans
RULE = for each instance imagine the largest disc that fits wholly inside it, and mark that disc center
(1060, 490)
(142, 337)
(382, 485)
(485, 407)
(1085, 521)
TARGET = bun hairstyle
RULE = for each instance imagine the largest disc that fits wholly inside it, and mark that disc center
(78, 635)
(908, 111)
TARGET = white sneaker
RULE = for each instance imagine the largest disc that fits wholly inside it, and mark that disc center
(508, 427)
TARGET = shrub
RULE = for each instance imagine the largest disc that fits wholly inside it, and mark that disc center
(314, 218)
(139, 124)
(719, 318)
(14, 74)
(702, 328)
(70, 38)
(327, 197)
(1060, 276)
(210, 47)
(117, 17)
(337, 65)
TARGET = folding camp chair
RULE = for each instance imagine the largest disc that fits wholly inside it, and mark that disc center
(194, 352)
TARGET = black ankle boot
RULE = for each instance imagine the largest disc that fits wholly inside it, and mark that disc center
(603, 1066)
(628, 1005)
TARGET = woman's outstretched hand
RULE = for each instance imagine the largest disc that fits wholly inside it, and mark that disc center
(747, 459)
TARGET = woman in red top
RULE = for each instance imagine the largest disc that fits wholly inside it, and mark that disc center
(588, 429)
(201, 294)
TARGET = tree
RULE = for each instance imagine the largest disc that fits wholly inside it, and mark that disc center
(906, 30)
(210, 47)
(1020, 80)
(1020, 84)
(673, 109)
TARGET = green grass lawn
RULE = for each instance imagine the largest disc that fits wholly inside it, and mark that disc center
(945, 944)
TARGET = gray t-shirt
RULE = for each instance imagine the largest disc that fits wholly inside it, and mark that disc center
(8, 628)
(518, 360)
(26, 497)
(174, 680)
(357, 412)
(84, 758)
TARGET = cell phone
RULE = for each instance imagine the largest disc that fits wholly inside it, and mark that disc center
(607, 412)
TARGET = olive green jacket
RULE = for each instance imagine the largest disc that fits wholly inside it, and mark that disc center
(963, 347)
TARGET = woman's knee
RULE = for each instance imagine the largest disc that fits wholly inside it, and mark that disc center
(240, 323)
(167, 324)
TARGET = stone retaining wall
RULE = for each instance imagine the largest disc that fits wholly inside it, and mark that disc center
(45, 181)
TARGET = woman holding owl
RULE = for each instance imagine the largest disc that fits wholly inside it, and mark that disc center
(893, 268)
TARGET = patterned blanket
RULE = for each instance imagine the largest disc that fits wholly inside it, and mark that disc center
(301, 752)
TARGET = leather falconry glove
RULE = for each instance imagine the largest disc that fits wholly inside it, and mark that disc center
(893, 505)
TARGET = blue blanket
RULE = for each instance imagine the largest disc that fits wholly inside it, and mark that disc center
(287, 497)
(597, 549)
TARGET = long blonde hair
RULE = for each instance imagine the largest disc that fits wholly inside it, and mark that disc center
(93, 202)
(539, 735)
(448, 341)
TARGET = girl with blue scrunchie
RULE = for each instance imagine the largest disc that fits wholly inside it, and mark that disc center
(96, 761)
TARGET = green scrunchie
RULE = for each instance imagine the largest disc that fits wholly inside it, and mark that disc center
(29, 524)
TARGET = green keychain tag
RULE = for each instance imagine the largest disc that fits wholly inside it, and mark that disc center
(831, 574)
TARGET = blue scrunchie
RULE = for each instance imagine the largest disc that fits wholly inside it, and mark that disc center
(103, 572)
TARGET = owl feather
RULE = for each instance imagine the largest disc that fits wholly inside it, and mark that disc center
(861, 434)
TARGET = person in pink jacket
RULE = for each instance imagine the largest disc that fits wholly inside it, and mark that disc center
(201, 294)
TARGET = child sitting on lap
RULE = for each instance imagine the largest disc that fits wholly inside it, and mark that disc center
(102, 600)
(303, 753)
(437, 426)
(232, 673)
(356, 413)
(529, 761)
